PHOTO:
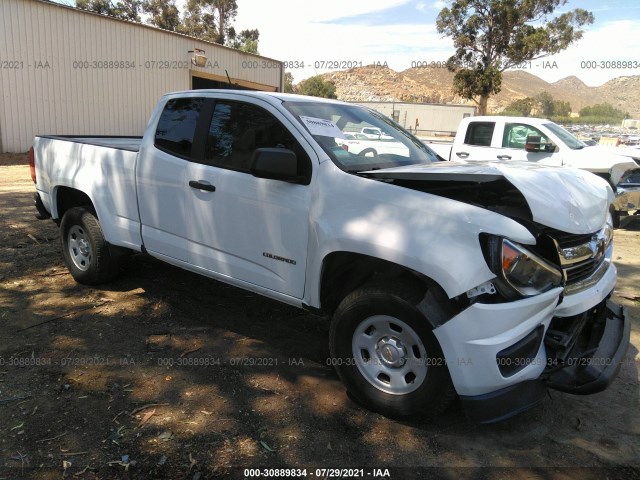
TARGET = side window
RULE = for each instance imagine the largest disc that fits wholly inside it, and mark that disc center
(237, 129)
(177, 126)
(479, 134)
(515, 135)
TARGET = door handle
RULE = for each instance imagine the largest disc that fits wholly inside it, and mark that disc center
(462, 154)
(504, 157)
(202, 185)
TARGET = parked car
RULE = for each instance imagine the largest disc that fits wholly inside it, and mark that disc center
(375, 133)
(487, 281)
(372, 148)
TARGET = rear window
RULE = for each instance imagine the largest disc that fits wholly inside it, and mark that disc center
(177, 126)
(480, 134)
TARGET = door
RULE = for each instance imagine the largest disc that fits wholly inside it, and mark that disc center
(512, 145)
(476, 144)
(251, 229)
(161, 178)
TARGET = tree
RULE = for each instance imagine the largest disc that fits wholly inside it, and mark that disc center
(520, 108)
(492, 36)
(561, 109)
(103, 7)
(288, 83)
(162, 14)
(209, 19)
(603, 110)
(317, 87)
(129, 10)
(123, 9)
(546, 104)
(246, 40)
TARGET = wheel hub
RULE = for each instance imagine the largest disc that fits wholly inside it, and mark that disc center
(391, 352)
(84, 247)
(79, 248)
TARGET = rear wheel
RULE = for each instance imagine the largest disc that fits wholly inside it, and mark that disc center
(86, 252)
(386, 354)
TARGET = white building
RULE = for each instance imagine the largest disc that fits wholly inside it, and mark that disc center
(70, 72)
(427, 119)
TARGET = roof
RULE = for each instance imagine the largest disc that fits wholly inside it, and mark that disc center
(284, 97)
(390, 102)
(493, 118)
(152, 27)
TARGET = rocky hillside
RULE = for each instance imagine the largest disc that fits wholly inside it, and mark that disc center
(433, 85)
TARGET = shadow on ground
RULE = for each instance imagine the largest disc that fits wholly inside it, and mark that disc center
(166, 374)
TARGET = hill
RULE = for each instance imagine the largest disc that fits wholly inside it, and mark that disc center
(433, 85)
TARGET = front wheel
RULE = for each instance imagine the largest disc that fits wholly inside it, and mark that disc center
(386, 354)
(86, 252)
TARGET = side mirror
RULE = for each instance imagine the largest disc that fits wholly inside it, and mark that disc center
(275, 164)
(534, 144)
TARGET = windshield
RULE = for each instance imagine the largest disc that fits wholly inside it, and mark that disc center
(358, 139)
(569, 140)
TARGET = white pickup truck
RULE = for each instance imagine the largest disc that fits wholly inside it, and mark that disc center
(491, 282)
(544, 142)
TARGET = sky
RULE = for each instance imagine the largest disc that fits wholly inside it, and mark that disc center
(402, 33)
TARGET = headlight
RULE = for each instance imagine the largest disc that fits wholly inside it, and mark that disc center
(607, 231)
(520, 273)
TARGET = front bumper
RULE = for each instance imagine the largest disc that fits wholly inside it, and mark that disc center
(502, 357)
(590, 364)
(586, 352)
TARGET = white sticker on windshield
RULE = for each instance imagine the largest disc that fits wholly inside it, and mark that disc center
(322, 127)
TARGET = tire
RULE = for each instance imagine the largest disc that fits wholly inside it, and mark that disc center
(615, 217)
(85, 250)
(386, 354)
(367, 151)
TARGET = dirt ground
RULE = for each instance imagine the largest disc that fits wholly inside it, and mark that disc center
(165, 374)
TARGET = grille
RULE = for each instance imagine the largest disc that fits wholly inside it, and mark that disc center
(565, 240)
(583, 270)
(579, 270)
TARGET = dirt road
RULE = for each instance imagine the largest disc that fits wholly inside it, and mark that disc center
(165, 374)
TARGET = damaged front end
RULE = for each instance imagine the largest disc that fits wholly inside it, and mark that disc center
(585, 351)
(546, 320)
(577, 346)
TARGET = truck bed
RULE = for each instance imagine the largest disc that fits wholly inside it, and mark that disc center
(102, 168)
(119, 142)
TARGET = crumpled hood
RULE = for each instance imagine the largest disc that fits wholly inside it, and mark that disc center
(567, 199)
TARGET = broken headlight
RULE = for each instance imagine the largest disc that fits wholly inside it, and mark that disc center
(519, 272)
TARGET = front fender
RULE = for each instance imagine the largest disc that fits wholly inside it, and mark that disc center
(432, 235)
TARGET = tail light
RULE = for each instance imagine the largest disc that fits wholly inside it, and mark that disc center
(32, 164)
